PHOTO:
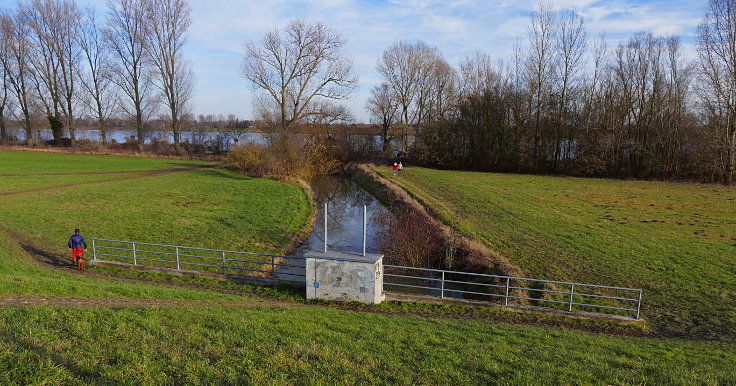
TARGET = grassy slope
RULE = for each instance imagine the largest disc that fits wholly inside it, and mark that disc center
(209, 207)
(677, 241)
(322, 346)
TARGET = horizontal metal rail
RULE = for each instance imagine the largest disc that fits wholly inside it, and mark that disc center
(452, 283)
(183, 255)
(459, 284)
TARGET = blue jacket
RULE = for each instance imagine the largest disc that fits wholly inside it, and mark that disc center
(76, 241)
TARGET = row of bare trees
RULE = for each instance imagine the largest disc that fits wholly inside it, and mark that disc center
(566, 103)
(65, 62)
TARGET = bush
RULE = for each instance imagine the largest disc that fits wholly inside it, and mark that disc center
(88, 145)
(248, 158)
(289, 156)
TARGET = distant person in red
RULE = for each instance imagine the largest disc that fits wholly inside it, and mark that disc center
(76, 242)
(396, 168)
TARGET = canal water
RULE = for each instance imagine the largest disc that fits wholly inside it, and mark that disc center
(345, 201)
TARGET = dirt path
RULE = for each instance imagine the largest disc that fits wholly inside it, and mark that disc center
(70, 301)
(138, 174)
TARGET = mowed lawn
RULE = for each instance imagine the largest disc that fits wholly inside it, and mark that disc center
(288, 345)
(211, 208)
(676, 241)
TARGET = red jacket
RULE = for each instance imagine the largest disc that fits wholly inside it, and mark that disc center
(396, 166)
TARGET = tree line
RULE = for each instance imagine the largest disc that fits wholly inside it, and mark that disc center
(60, 62)
(570, 103)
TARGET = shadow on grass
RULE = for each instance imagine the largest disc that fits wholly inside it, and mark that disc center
(46, 257)
(80, 373)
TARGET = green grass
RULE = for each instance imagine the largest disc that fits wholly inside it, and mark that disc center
(268, 344)
(29, 162)
(676, 241)
(280, 345)
(211, 208)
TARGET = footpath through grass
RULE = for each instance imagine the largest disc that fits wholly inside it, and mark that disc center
(677, 241)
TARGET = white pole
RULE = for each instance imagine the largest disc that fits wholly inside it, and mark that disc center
(365, 225)
(325, 227)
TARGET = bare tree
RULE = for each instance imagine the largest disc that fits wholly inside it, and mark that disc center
(409, 69)
(297, 68)
(383, 108)
(540, 67)
(95, 79)
(717, 51)
(571, 43)
(477, 73)
(56, 57)
(16, 35)
(125, 35)
(167, 22)
(5, 69)
(40, 16)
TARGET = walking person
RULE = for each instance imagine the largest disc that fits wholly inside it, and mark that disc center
(401, 167)
(76, 242)
(396, 168)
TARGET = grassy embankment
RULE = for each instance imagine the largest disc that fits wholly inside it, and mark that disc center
(201, 207)
(275, 344)
(677, 241)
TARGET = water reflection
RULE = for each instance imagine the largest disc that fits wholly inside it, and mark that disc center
(345, 200)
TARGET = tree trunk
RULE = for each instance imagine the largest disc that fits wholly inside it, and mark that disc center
(56, 127)
(103, 130)
(3, 134)
(175, 129)
(730, 158)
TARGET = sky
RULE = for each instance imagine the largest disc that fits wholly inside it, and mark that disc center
(458, 28)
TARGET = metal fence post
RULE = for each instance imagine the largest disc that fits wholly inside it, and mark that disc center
(224, 265)
(135, 261)
(572, 291)
(94, 251)
(325, 226)
(442, 288)
(638, 306)
(506, 299)
(273, 269)
(178, 268)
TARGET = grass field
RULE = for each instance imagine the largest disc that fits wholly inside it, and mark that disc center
(285, 345)
(279, 341)
(201, 207)
(677, 241)
(211, 208)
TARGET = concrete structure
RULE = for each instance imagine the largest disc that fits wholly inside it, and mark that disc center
(344, 276)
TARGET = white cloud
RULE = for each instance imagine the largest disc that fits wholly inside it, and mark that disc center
(456, 27)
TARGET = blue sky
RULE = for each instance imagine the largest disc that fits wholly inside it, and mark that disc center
(457, 27)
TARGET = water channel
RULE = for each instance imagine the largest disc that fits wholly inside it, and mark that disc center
(345, 201)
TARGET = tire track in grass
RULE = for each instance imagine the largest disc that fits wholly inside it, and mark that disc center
(140, 174)
(110, 172)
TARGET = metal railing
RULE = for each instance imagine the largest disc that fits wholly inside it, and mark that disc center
(477, 286)
(424, 281)
(228, 263)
